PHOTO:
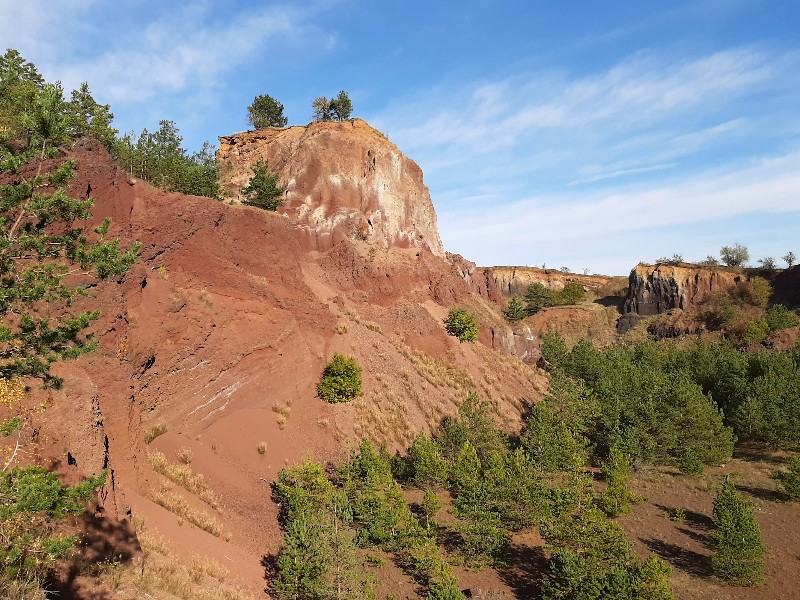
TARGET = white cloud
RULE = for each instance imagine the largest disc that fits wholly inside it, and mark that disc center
(133, 52)
(769, 185)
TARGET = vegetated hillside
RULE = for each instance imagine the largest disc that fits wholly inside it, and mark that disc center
(211, 348)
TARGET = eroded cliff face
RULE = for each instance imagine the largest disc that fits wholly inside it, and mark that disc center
(656, 289)
(342, 179)
(515, 280)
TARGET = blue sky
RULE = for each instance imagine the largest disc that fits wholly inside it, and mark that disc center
(588, 134)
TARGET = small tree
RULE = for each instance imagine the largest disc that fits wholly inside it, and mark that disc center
(341, 380)
(515, 310)
(789, 258)
(538, 297)
(768, 263)
(337, 109)
(738, 550)
(734, 256)
(461, 324)
(263, 190)
(790, 480)
(265, 111)
(341, 106)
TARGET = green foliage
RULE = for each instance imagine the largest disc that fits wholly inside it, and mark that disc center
(789, 480)
(428, 468)
(734, 256)
(780, 317)
(475, 425)
(738, 557)
(649, 402)
(616, 498)
(265, 111)
(40, 247)
(461, 324)
(160, 159)
(538, 296)
(554, 444)
(433, 571)
(85, 117)
(32, 500)
(515, 311)
(335, 109)
(9, 426)
(379, 509)
(318, 558)
(263, 190)
(341, 380)
(592, 559)
(430, 507)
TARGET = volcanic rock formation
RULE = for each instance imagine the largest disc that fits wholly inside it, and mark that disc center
(343, 180)
(657, 289)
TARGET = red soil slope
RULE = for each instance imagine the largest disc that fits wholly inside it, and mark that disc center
(220, 332)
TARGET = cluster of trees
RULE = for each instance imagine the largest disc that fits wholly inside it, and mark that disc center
(538, 296)
(160, 159)
(732, 256)
(499, 484)
(266, 111)
(680, 403)
(42, 242)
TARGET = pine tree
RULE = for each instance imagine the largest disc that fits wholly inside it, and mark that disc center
(263, 190)
(738, 550)
(266, 111)
(515, 311)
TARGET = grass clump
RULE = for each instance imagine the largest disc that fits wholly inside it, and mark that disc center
(175, 504)
(154, 431)
(183, 476)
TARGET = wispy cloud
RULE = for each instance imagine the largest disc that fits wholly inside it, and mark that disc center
(139, 51)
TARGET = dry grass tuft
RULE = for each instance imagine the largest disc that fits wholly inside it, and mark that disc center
(154, 431)
(184, 477)
(262, 448)
(185, 456)
(175, 504)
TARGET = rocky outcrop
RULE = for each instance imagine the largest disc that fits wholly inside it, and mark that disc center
(515, 280)
(342, 179)
(656, 289)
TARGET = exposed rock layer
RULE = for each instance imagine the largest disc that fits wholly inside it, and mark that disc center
(657, 289)
(342, 180)
(515, 280)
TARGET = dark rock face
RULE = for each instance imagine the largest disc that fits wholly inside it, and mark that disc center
(656, 289)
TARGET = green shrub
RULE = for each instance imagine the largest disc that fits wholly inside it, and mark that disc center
(515, 311)
(428, 467)
(461, 324)
(790, 480)
(341, 380)
(780, 317)
(738, 557)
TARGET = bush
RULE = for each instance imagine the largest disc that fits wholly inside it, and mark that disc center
(341, 380)
(790, 480)
(738, 550)
(780, 317)
(461, 324)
